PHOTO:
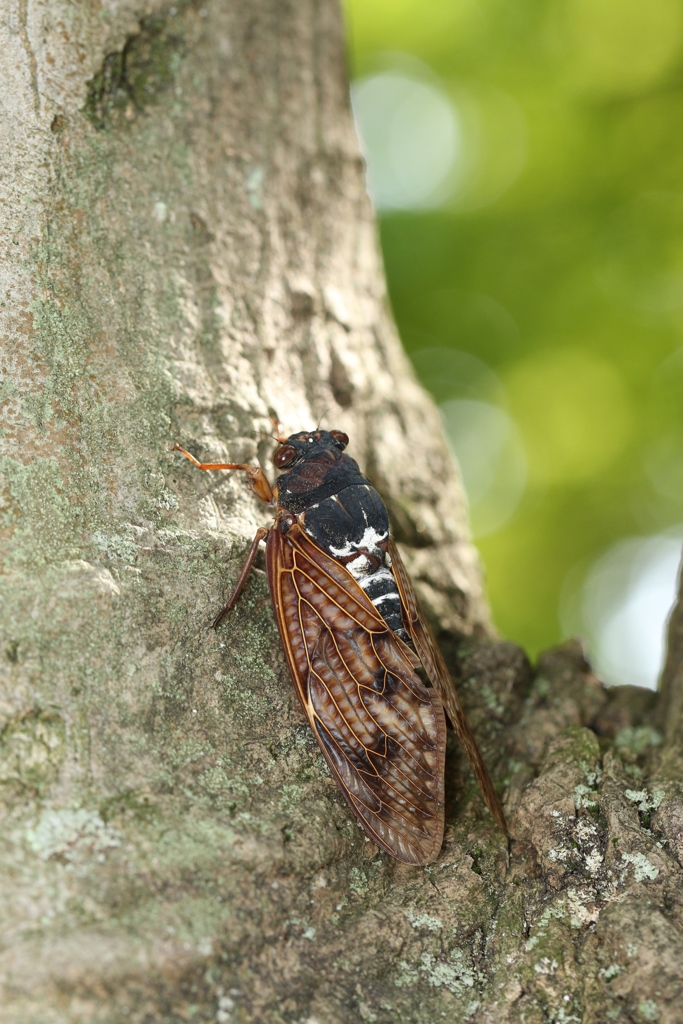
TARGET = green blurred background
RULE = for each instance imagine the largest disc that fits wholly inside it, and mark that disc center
(526, 162)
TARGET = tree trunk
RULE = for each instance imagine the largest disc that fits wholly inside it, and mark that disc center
(188, 251)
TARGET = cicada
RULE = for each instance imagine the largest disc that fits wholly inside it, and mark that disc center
(354, 637)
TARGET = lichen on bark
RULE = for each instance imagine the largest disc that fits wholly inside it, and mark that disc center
(187, 251)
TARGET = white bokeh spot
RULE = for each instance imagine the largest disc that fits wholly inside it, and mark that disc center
(623, 606)
(410, 137)
(488, 447)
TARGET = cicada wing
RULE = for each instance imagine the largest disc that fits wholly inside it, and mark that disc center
(440, 678)
(381, 731)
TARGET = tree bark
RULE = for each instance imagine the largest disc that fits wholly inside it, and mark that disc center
(188, 251)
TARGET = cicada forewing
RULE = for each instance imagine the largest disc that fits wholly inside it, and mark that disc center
(440, 678)
(381, 731)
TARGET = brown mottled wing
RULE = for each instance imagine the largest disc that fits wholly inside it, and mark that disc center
(440, 678)
(381, 731)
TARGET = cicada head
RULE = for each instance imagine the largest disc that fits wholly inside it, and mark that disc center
(314, 467)
(307, 445)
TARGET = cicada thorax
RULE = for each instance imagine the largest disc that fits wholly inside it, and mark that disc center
(343, 514)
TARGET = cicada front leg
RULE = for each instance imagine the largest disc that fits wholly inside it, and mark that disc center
(257, 478)
(262, 489)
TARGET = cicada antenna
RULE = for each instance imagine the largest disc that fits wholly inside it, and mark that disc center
(280, 437)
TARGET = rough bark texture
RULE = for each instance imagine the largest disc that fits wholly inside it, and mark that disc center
(187, 250)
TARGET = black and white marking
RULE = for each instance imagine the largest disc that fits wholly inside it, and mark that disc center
(344, 515)
(353, 527)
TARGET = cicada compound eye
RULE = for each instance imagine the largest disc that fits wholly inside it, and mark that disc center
(283, 455)
(341, 438)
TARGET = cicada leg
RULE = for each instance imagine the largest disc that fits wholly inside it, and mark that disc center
(257, 478)
(261, 534)
(263, 490)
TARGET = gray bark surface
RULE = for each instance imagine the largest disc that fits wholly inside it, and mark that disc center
(187, 251)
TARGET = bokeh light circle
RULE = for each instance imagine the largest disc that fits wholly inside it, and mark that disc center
(573, 412)
(622, 604)
(410, 137)
(489, 450)
(619, 48)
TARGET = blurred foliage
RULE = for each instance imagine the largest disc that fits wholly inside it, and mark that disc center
(557, 261)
